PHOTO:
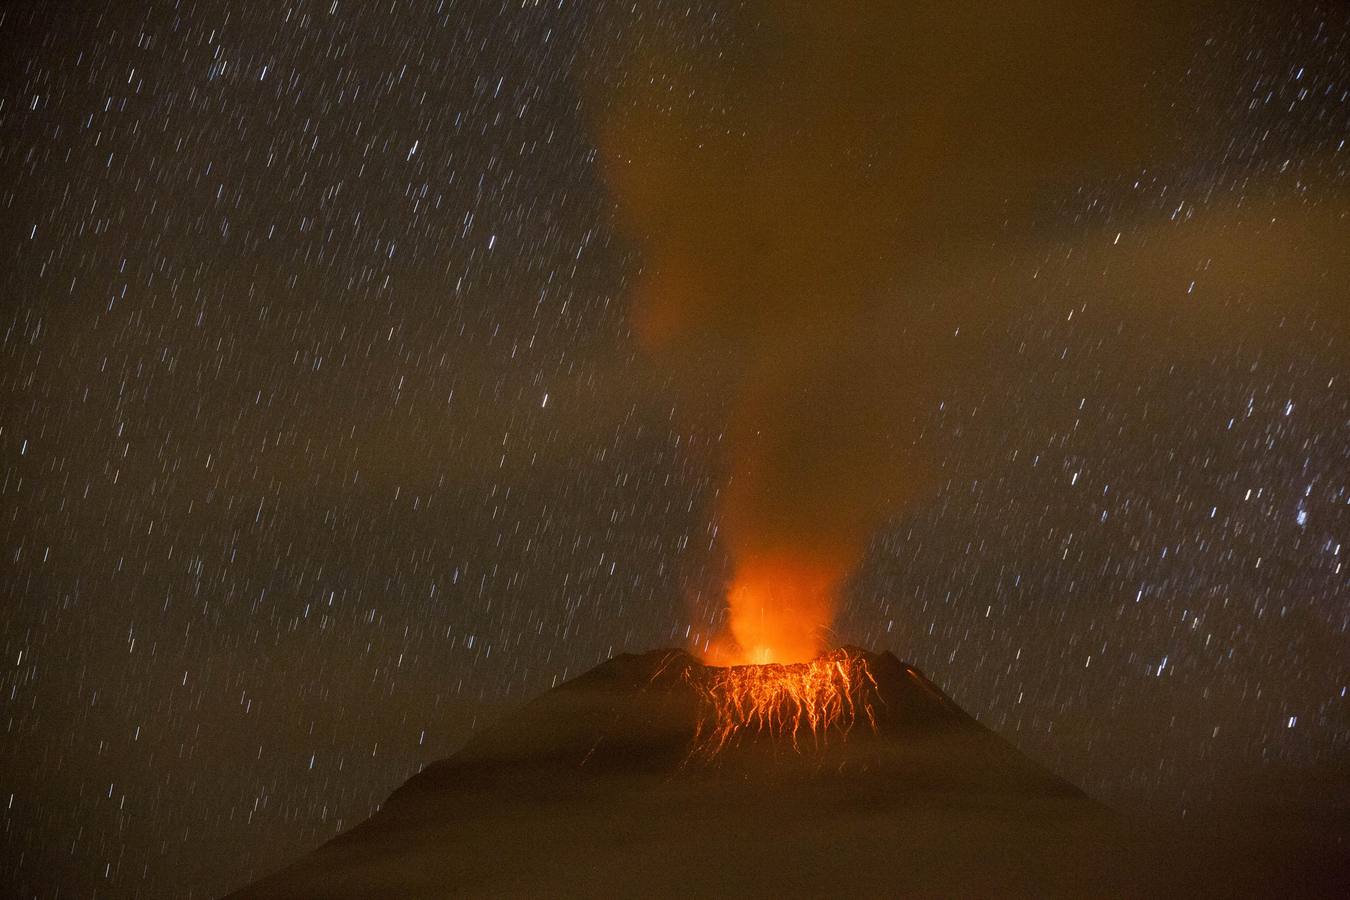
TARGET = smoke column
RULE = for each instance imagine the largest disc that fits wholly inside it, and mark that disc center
(824, 205)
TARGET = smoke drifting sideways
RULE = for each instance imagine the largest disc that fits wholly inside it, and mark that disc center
(827, 205)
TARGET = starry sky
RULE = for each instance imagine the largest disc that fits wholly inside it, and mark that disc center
(332, 427)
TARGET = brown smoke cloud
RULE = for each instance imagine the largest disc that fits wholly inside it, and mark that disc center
(824, 217)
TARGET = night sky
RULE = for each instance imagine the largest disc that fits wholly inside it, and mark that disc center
(330, 432)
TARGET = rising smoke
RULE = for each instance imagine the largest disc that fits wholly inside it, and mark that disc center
(826, 205)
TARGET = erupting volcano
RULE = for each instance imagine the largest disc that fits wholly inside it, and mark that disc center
(659, 775)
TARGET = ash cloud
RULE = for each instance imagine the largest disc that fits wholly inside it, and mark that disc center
(830, 206)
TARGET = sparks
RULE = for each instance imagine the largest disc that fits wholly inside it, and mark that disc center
(796, 704)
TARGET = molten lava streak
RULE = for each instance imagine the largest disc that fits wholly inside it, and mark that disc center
(794, 704)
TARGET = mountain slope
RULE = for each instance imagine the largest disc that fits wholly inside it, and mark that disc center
(607, 786)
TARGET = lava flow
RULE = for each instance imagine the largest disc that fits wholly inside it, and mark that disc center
(797, 704)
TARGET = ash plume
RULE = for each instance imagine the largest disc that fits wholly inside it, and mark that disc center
(827, 207)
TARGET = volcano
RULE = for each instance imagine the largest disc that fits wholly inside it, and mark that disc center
(657, 775)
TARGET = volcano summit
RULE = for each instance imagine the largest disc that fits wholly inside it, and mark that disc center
(655, 774)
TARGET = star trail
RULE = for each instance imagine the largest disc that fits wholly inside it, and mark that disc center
(328, 433)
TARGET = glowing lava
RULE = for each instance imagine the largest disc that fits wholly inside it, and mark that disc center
(779, 612)
(794, 704)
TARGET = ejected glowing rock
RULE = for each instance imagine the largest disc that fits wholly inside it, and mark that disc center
(806, 705)
(658, 775)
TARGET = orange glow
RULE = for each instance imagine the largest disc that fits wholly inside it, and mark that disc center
(797, 704)
(779, 612)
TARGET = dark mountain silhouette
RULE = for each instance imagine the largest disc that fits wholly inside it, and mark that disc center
(599, 788)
